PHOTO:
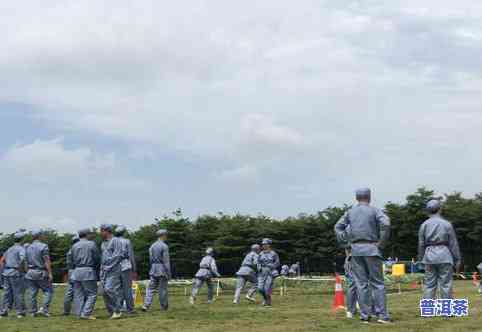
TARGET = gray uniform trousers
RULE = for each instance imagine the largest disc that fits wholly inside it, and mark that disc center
(14, 292)
(68, 298)
(351, 293)
(198, 283)
(112, 285)
(438, 276)
(157, 284)
(368, 275)
(48, 292)
(265, 285)
(127, 296)
(241, 283)
(9, 300)
(85, 297)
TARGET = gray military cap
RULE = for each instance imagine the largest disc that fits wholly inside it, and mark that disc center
(434, 206)
(19, 235)
(363, 193)
(84, 232)
(255, 247)
(209, 251)
(267, 241)
(36, 232)
(161, 232)
(106, 227)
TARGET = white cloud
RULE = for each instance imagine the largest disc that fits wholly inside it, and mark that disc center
(321, 96)
(49, 161)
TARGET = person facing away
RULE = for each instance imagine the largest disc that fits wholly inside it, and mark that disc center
(268, 264)
(14, 265)
(369, 233)
(160, 272)
(285, 270)
(85, 263)
(207, 270)
(39, 275)
(128, 268)
(295, 270)
(113, 254)
(248, 273)
(439, 251)
(69, 290)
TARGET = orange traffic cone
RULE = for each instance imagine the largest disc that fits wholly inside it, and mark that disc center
(339, 299)
(475, 282)
(414, 284)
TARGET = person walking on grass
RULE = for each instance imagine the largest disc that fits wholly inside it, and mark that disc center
(248, 273)
(207, 270)
(160, 272)
(268, 264)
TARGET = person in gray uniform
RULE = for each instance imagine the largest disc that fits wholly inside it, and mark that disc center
(207, 270)
(113, 253)
(248, 273)
(295, 270)
(439, 250)
(69, 290)
(39, 275)
(285, 270)
(268, 264)
(369, 233)
(85, 263)
(14, 264)
(128, 268)
(160, 272)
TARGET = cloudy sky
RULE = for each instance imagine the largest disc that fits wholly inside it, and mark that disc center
(121, 110)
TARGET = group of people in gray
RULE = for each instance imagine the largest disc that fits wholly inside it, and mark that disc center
(259, 269)
(114, 264)
(30, 265)
(364, 231)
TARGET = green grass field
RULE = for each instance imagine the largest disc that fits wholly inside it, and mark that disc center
(299, 310)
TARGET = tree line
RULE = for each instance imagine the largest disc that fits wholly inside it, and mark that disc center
(306, 238)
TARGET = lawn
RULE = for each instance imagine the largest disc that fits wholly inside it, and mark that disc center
(299, 310)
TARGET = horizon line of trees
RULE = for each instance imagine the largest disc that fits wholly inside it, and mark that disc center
(307, 238)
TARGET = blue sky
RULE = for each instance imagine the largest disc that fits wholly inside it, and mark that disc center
(117, 111)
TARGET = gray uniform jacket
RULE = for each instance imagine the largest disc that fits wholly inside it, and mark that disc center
(85, 260)
(37, 253)
(249, 265)
(113, 253)
(207, 268)
(160, 260)
(128, 263)
(369, 230)
(15, 259)
(437, 242)
(268, 261)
